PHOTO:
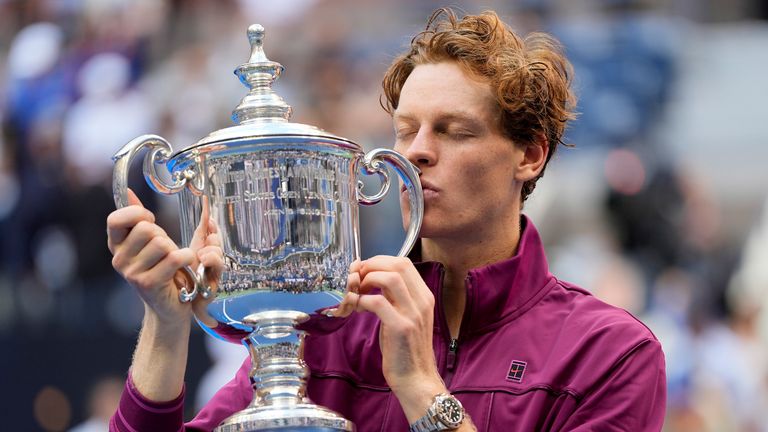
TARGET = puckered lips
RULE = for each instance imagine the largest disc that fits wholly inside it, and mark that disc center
(429, 189)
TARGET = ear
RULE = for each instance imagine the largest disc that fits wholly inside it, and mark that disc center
(533, 158)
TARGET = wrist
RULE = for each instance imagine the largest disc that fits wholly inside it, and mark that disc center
(416, 399)
(159, 362)
(165, 327)
(164, 336)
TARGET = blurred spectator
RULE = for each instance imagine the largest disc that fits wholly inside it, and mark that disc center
(106, 116)
(102, 402)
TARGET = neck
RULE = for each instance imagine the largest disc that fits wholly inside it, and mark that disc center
(459, 257)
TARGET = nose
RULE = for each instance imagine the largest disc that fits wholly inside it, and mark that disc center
(422, 149)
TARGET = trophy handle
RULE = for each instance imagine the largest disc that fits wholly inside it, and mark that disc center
(409, 174)
(159, 153)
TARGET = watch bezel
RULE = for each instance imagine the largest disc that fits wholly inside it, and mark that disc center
(445, 404)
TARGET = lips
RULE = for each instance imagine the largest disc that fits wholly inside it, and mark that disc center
(427, 187)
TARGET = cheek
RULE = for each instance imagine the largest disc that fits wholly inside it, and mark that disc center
(489, 180)
(486, 172)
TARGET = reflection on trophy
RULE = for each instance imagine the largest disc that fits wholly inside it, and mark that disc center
(285, 197)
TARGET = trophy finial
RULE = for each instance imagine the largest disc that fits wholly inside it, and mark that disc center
(256, 32)
(261, 102)
(256, 38)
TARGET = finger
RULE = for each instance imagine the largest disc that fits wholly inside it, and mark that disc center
(392, 287)
(346, 307)
(117, 223)
(213, 239)
(212, 259)
(163, 273)
(403, 266)
(355, 266)
(213, 227)
(133, 199)
(155, 250)
(173, 262)
(205, 215)
(380, 306)
(138, 238)
(349, 302)
(211, 256)
(121, 221)
(201, 232)
(353, 282)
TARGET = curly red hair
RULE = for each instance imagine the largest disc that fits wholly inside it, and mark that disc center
(530, 77)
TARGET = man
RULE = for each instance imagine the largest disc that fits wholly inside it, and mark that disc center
(478, 319)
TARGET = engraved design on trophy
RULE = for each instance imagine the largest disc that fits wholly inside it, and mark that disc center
(285, 197)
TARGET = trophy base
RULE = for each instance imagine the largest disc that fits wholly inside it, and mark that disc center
(302, 417)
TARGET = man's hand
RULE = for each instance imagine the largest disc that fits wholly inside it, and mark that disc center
(150, 261)
(405, 307)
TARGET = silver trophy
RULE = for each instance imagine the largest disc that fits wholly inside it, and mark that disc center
(285, 197)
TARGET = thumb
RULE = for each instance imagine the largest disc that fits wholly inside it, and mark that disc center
(133, 199)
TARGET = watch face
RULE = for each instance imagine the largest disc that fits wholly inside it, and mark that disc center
(450, 412)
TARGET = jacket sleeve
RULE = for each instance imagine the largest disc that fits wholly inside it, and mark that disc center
(137, 413)
(631, 397)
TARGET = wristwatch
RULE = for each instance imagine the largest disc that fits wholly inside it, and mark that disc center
(445, 414)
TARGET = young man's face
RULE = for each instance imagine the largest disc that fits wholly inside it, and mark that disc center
(447, 124)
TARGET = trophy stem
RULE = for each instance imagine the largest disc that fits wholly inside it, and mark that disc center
(276, 347)
(279, 379)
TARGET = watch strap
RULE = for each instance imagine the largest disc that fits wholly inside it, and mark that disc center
(427, 423)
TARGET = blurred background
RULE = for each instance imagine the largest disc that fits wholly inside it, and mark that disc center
(660, 207)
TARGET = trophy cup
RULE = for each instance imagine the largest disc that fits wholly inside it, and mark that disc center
(285, 197)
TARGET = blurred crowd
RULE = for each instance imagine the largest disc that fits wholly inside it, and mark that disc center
(622, 212)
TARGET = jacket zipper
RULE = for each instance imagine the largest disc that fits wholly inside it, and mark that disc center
(451, 358)
(450, 362)
(453, 343)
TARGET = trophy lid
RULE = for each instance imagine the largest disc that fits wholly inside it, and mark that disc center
(262, 112)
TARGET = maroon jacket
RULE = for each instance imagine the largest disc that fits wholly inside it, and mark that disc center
(534, 354)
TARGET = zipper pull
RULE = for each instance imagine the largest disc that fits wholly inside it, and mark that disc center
(452, 348)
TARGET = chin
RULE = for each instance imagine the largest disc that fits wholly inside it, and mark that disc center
(432, 230)
(432, 226)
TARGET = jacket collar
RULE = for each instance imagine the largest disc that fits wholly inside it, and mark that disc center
(500, 291)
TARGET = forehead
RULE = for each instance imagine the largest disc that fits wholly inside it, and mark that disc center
(445, 89)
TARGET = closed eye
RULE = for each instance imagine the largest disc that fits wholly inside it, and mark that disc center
(404, 133)
(461, 134)
(456, 134)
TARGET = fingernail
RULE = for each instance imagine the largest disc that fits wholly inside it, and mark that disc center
(331, 312)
